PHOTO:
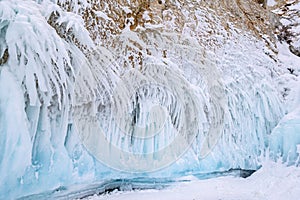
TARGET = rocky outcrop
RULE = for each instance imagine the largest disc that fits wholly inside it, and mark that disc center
(289, 29)
(107, 19)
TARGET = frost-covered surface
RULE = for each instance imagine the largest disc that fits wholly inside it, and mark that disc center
(286, 136)
(37, 74)
(185, 95)
(273, 181)
(289, 14)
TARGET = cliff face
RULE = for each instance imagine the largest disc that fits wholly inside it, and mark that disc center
(289, 30)
(138, 86)
(106, 19)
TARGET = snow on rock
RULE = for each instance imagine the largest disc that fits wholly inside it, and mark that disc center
(159, 94)
(271, 3)
(286, 136)
(288, 12)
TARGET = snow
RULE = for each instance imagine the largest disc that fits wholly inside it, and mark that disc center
(274, 181)
(271, 2)
(72, 116)
(295, 6)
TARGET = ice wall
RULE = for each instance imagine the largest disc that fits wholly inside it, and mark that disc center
(71, 118)
(285, 137)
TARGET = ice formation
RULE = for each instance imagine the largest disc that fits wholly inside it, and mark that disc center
(72, 112)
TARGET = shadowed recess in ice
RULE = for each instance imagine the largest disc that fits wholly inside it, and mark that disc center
(68, 117)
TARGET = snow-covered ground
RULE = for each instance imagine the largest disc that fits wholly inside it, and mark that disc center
(273, 181)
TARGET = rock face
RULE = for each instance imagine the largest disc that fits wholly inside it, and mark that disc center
(290, 24)
(105, 19)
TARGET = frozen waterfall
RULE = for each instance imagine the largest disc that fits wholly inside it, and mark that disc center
(71, 118)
